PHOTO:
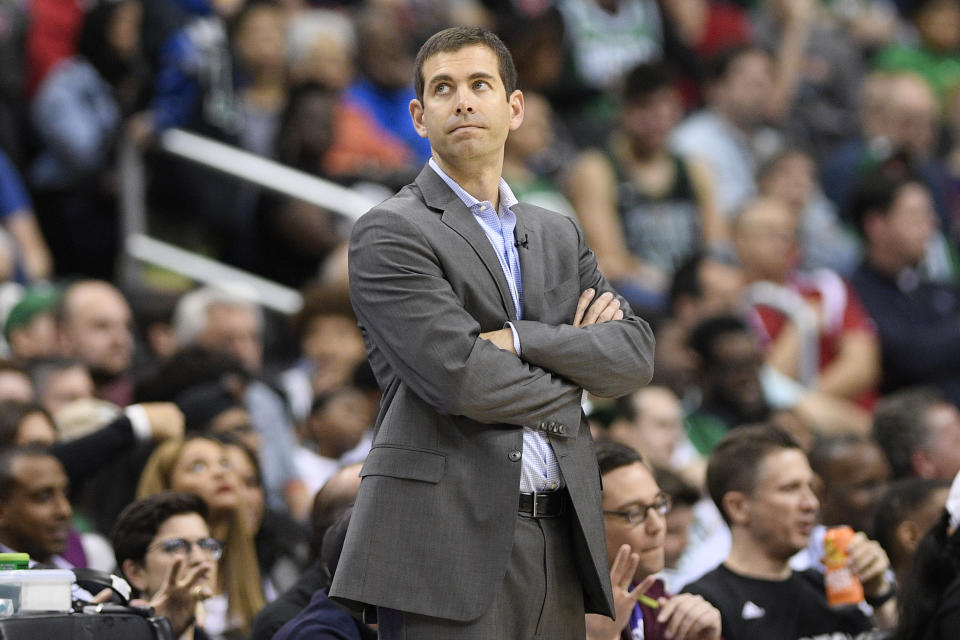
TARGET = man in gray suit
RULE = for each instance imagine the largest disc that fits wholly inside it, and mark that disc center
(484, 320)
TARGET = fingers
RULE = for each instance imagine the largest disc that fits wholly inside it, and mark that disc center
(867, 558)
(174, 571)
(642, 588)
(623, 567)
(582, 305)
(689, 616)
(102, 596)
(602, 310)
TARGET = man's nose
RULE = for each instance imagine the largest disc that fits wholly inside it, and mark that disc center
(463, 103)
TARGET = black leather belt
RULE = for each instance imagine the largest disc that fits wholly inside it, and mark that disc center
(543, 504)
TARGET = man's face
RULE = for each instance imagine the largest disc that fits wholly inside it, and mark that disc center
(649, 121)
(782, 510)
(657, 427)
(148, 577)
(625, 488)
(744, 92)
(943, 442)
(38, 339)
(65, 386)
(236, 331)
(465, 113)
(853, 482)
(765, 238)
(35, 517)
(733, 378)
(907, 227)
(335, 346)
(16, 385)
(97, 329)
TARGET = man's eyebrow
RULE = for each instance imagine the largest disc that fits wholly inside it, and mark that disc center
(443, 77)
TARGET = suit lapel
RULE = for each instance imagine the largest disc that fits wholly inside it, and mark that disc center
(438, 196)
(531, 264)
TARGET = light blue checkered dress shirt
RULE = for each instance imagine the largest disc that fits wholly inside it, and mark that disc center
(540, 471)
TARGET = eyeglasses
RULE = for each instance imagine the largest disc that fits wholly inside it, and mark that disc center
(638, 514)
(183, 547)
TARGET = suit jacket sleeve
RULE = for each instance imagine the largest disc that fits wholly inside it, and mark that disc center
(608, 360)
(410, 312)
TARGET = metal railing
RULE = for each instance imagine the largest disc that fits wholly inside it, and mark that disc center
(139, 246)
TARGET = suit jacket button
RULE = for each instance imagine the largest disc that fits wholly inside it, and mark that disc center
(561, 429)
(514, 456)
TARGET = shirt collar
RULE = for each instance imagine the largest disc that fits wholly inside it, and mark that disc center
(507, 199)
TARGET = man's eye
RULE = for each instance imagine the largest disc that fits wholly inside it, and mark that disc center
(480, 84)
(440, 89)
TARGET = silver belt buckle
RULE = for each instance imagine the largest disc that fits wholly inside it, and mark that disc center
(534, 513)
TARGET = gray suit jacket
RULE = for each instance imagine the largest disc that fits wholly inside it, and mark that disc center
(433, 524)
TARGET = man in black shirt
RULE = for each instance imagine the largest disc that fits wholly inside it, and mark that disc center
(761, 481)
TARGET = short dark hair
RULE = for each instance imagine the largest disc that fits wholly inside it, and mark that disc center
(613, 455)
(138, 523)
(706, 333)
(876, 190)
(456, 38)
(735, 462)
(646, 79)
(8, 455)
(12, 413)
(900, 425)
(900, 501)
(827, 448)
(681, 492)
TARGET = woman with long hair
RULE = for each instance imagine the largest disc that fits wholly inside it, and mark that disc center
(200, 465)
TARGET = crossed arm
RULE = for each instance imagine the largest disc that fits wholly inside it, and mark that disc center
(410, 311)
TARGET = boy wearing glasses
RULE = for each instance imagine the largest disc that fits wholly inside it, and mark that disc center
(164, 549)
(634, 511)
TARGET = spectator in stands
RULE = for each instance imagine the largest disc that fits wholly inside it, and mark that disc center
(854, 473)
(60, 382)
(918, 320)
(919, 431)
(729, 134)
(903, 515)
(931, 593)
(937, 23)
(819, 70)
(331, 345)
(34, 507)
(761, 481)
(280, 540)
(337, 425)
(15, 384)
(635, 512)
(329, 504)
(215, 408)
(165, 551)
(848, 356)
(30, 329)
(321, 47)
(681, 518)
(322, 617)
(94, 326)
(373, 139)
(532, 164)
(709, 27)
(791, 177)
(644, 209)
(225, 323)
(703, 286)
(16, 214)
(200, 465)
(25, 424)
(650, 420)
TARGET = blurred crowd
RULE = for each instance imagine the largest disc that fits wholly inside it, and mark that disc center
(773, 184)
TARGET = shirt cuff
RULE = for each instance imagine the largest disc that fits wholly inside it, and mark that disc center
(516, 337)
(139, 422)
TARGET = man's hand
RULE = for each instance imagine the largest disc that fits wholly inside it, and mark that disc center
(689, 617)
(604, 309)
(869, 562)
(503, 338)
(166, 420)
(621, 575)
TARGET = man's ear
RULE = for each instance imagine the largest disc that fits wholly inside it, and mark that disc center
(736, 506)
(515, 100)
(416, 115)
(135, 574)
